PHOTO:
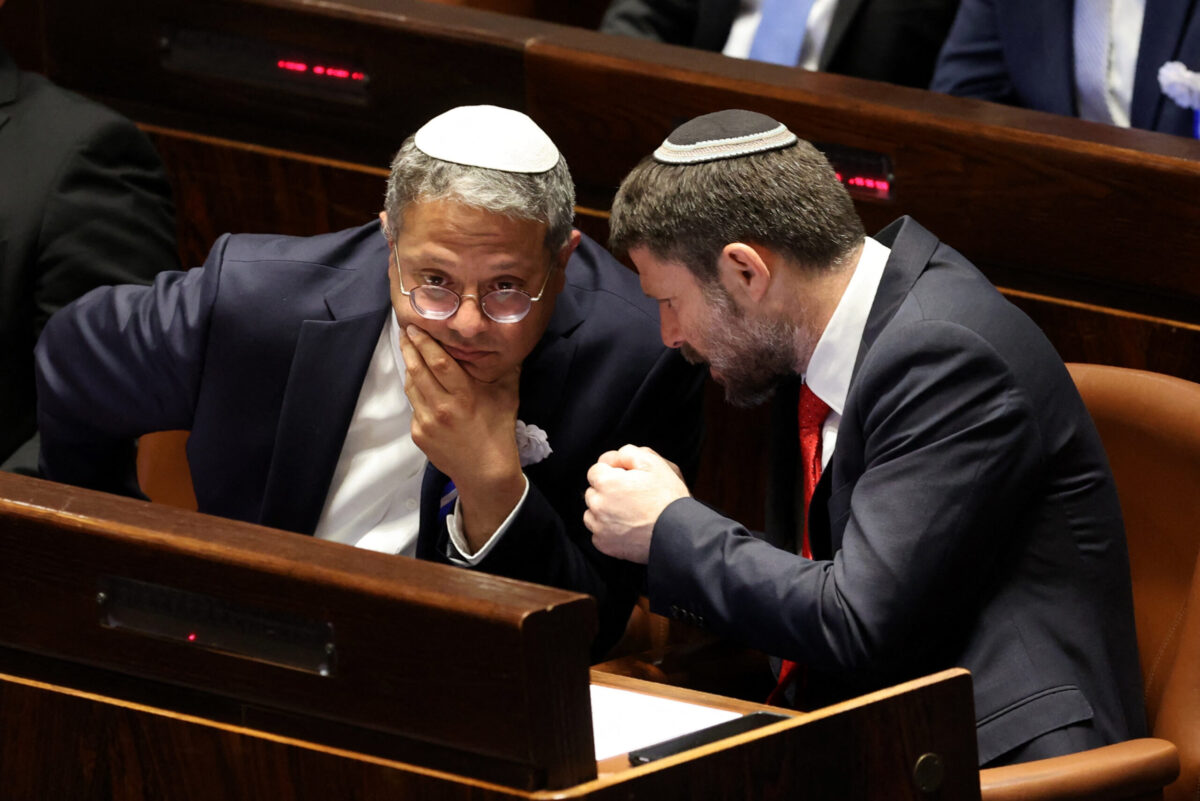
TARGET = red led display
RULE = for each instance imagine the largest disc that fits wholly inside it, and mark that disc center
(879, 187)
(337, 73)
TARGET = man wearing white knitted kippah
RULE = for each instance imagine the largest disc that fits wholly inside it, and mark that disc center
(434, 384)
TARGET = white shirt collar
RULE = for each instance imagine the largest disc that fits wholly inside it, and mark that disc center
(832, 361)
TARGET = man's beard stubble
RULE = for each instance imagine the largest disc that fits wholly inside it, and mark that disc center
(750, 355)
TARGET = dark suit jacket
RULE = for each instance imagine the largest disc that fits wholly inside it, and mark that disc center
(883, 40)
(1023, 54)
(967, 517)
(261, 354)
(83, 202)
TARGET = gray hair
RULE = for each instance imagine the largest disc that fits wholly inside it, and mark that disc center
(790, 200)
(547, 197)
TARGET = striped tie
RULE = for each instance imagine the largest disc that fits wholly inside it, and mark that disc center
(446, 504)
(1092, 43)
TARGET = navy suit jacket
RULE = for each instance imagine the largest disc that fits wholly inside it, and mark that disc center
(1022, 54)
(967, 517)
(261, 354)
(882, 40)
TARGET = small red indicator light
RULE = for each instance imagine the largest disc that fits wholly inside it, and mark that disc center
(292, 66)
(191, 636)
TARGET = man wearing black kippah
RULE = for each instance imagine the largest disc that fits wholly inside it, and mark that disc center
(939, 495)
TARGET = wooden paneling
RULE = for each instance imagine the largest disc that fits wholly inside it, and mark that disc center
(74, 745)
(582, 13)
(419, 58)
(416, 647)
(222, 187)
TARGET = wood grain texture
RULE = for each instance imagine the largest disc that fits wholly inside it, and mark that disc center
(420, 59)
(91, 746)
(419, 646)
(222, 186)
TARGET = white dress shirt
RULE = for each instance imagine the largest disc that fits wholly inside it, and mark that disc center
(832, 362)
(374, 497)
(1126, 30)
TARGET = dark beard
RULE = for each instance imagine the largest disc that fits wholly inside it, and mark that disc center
(751, 356)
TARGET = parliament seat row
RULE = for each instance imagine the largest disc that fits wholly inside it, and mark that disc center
(98, 643)
(1085, 227)
(1081, 225)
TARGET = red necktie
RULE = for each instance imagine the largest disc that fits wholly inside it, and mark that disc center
(812, 414)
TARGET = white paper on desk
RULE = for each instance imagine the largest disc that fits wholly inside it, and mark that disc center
(623, 720)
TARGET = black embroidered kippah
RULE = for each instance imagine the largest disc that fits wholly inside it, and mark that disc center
(723, 135)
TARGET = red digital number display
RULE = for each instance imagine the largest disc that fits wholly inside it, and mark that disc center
(323, 70)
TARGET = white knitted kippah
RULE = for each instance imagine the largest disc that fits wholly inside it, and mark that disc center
(488, 136)
(723, 135)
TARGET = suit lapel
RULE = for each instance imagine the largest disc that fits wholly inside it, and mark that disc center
(912, 246)
(843, 14)
(1048, 35)
(326, 375)
(1164, 29)
(545, 374)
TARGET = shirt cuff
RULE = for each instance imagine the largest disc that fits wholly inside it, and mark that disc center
(458, 550)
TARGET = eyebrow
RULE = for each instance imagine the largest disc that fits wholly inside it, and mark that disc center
(509, 269)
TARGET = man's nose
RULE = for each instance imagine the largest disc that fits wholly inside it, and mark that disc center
(469, 320)
(672, 337)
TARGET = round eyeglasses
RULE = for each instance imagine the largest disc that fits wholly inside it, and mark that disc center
(499, 305)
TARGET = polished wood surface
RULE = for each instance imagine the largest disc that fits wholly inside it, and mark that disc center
(418, 647)
(85, 745)
(224, 186)
(582, 13)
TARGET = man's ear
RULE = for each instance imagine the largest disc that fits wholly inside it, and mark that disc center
(744, 271)
(387, 232)
(564, 256)
(572, 242)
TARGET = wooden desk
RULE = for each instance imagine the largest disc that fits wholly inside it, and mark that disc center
(150, 653)
(89, 746)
